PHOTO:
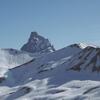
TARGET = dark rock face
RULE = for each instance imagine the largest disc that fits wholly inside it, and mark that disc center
(87, 59)
(37, 43)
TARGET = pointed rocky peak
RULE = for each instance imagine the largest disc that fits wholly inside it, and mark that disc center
(33, 34)
(33, 37)
(37, 43)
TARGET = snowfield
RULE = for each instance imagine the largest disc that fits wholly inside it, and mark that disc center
(71, 73)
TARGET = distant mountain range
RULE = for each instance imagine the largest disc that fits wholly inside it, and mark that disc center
(39, 72)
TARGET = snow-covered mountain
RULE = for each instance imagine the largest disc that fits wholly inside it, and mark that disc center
(41, 73)
(37, 43)
(87, 59)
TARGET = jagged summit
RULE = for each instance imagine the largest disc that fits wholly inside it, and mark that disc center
(34, 34)
(37, 43)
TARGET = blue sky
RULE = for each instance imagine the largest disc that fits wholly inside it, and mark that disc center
(63, 22)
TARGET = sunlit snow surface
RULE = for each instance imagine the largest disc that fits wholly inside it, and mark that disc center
(39, 90)
(46, 76)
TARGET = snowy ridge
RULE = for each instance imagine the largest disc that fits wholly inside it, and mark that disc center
(79, 45)
(83, 45)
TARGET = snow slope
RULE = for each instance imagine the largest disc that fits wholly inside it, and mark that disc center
(10, 58)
